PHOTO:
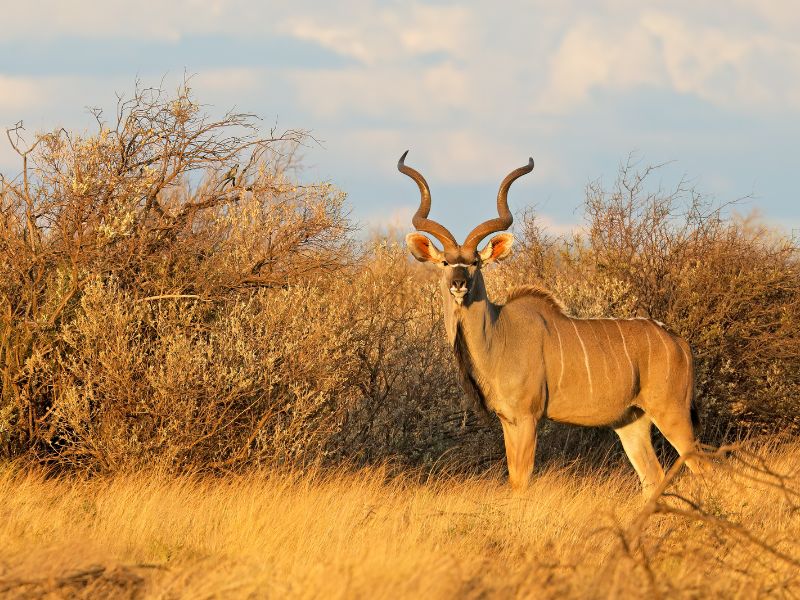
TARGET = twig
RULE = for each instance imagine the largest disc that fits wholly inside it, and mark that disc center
(173, 297)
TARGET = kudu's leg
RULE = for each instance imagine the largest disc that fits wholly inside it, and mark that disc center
(676, 425)
(638, 446)
(520, 439)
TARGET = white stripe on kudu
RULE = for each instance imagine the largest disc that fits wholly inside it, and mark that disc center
(592, 324)
(661, 334)
(585, 359)
(627, 355)
(561, 355)
(610, 349)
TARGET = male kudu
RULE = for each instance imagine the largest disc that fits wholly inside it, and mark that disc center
(528, 359)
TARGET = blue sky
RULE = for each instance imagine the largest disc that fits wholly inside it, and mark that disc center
(471, 89)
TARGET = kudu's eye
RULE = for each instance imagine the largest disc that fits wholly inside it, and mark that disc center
(445, 263)
(475, 263)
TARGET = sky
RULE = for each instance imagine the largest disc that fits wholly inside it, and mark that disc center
(472, 89)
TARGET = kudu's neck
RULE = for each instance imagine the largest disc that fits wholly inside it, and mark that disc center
(475, 317)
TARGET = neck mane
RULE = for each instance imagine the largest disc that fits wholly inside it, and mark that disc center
(531, 291)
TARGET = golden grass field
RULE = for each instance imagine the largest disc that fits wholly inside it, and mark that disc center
(370, 534)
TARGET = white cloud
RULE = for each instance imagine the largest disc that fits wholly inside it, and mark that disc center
(84, 18)
(742, 54)
(594, 55)
(386, 35)
(20, 92)
(736, 68)
(342, 40)
(779, 15)
(425, 95)
(360, 29)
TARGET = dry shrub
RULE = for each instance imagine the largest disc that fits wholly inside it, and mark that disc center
(351, 369)
(194, 384)
(170, 296)
(108, 242)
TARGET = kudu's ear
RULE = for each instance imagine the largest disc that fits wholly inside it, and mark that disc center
(498, 248)
(423, 249)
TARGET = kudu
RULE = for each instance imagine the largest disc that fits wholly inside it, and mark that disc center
(528, 359)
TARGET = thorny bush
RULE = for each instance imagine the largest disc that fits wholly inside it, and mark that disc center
(170, 296)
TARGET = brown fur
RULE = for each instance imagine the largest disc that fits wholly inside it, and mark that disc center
(527, 360)
(474, 393)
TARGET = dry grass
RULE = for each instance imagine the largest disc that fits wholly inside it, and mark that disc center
(369, 534)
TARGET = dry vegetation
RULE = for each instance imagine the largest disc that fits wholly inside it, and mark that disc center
(172, 302)
(169, 296)
(370, 534)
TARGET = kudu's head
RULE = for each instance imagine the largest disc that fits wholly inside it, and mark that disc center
(461, 263)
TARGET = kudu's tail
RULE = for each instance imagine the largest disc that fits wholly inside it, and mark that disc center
(692, 399)
(695, 416)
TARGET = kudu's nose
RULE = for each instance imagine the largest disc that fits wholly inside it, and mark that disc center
(458, 280)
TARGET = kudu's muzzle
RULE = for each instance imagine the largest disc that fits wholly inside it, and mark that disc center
(459, 283)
